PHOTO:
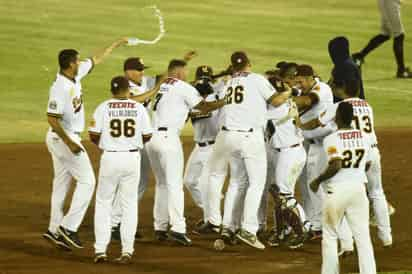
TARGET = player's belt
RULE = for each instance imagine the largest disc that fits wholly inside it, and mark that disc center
(162, 129)
(280, 149)
(205, 144)
(238, 130)
(130, 150)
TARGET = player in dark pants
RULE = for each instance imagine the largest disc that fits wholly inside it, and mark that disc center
(345, 69)
(391, 24)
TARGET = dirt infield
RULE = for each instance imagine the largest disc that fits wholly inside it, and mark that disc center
(25, 185)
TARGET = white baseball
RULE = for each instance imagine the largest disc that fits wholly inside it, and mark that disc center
(219, 245)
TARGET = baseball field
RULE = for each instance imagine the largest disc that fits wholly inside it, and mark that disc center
(32, 33)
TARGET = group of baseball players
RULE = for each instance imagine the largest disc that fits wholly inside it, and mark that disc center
(270, 132)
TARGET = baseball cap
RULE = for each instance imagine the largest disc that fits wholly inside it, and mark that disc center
(239, 59)
(134, 63)
(304, 70)
(204, 72)
(119, 83)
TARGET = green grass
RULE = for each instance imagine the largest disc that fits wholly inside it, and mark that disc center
(32, 32)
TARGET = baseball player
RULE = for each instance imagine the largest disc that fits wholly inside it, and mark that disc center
(170, 111)
(205, 128)
(315, 97)
(120, 127)
(363, 120)
(391, 25)
(343, 180)
(142, 89)
(243, 122)
(289, 160)
(65, 114)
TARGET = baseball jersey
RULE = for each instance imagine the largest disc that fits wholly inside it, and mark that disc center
(325, 96)
(247, 95)
(66, 101)
(121, 124)
(173, 103)
(147, 84)
(206, 129)
(362, 117)
(286, 132)
(352, 147)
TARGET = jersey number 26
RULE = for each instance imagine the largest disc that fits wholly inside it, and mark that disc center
(234, 95)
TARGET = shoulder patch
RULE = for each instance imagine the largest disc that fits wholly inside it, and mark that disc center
(53, 105)
(332, 150)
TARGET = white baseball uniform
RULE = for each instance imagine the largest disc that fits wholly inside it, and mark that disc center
(195, 178)
(312, 202)
(147, 84)
(364, 121)
(120, 124)
(346, 196)
(66, 103)
(243, 121)
(288, 150)
(170, 111)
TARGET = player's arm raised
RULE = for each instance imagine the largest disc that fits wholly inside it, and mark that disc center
(54, 122)
(100, 55)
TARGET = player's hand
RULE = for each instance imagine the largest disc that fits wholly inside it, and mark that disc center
(314, 185)
(74, 147)
(293, 111)
(190, 55)
(120, 42)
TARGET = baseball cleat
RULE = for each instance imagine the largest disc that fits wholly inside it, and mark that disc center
(206, 228)
(296, 241)
(125, 258)
(58, 240)
(100, 258)
(180, 238)
(70, 237)
(405, 74)
(228, 236)
(314, 235)
(161, 236)
(273, 239)
(250, 239)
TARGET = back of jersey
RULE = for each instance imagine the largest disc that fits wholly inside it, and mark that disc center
(245, 108)
(352, 147)
(121, 124)
(172, 104)
(363, 118)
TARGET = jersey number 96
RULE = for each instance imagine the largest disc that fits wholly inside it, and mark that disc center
(124, 128)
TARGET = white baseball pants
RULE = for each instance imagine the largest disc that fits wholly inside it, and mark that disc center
(118, 176)
(67, 166)
(251, 147)
(166, 158)
(346, 199)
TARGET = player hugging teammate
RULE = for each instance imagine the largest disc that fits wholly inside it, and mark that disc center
(272, 134)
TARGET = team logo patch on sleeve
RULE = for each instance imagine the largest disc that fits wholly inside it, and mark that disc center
(53, 105)
(332, 150)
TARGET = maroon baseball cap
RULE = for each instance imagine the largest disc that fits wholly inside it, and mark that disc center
(134, 63)
(239, 60)
(119, 83)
